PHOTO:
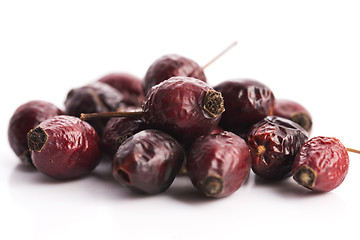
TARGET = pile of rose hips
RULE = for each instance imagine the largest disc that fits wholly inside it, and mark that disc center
(172, 122)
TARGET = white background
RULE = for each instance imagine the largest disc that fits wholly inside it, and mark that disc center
(307, 51)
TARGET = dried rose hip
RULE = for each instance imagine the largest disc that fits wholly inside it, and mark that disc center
(116, 131)
(171, 65)
(184, 107)
(246, 102)
(26, 117)
(95, 97)
(293, 111)
(219, 164)
(148, 161)
(321, 164)
(129, 86)
(273, 144)
(64, 147)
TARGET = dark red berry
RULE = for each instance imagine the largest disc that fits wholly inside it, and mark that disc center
(64, 147)
(129, 86)
(171, 65)
(95, 97)
(219, 164)
(184, 107)
(321, 164)
(293, 111)
(25, 118)
(246, 102)
(148, 161)
(273, 144)
(116, 131)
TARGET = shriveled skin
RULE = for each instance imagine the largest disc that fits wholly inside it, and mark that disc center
(171, 65)
(328, 158)
(148, 161)
(116, 131)
(129, 86)
(71, 149)
(294, 111)
(25, 118)
(246, 102)
(225, 156)
(176, 106)
(93, 98)
(273, 144)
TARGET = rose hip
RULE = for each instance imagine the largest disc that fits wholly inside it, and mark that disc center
(273, 144)
(116, 131)
(94, 97)
(64, 147)
(184, 107)
(148, 161)
(171, 65)
(246, 102)
(219, 164)
(129, 86)
(26, 117)
(293, 111)
(321, 164)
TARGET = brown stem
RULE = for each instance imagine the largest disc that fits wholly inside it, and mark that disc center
(353, 150)
(219, 55)
(89, 116)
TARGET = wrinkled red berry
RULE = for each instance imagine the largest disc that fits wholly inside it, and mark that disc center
(129, 86)
(116, 131)
(321, 164)
(184, 107)
(26, 117)
(148, 161)
(64, 147)
(95, 97)
(273, 144)
(219, 164)
(171, 65)
(246, 102)
(293, 111)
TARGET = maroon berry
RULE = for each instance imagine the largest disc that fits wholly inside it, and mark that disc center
(219, 164)
(95, 97)
(184, 107)
(171, 66)
(321, 164)
(293, 111)
(64, 147)
(116, 131)
(129, 86)
(26, 117)
(148, 161)
(246, 102)
(273, 144)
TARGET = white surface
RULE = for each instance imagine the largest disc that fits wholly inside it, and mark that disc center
(306, 51)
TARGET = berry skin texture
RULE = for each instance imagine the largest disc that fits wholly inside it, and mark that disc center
(95, 97)
(273, 144)
(246, 102)
(184, 107)
(64, 147)
(171, 65)
(116, 131)
(219, 164)
(26, 117)
(148, 162)
(128, 85)
(321, 164)
(293, 111)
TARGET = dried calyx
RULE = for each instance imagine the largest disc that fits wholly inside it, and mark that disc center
(213, 103)
(37, 138)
